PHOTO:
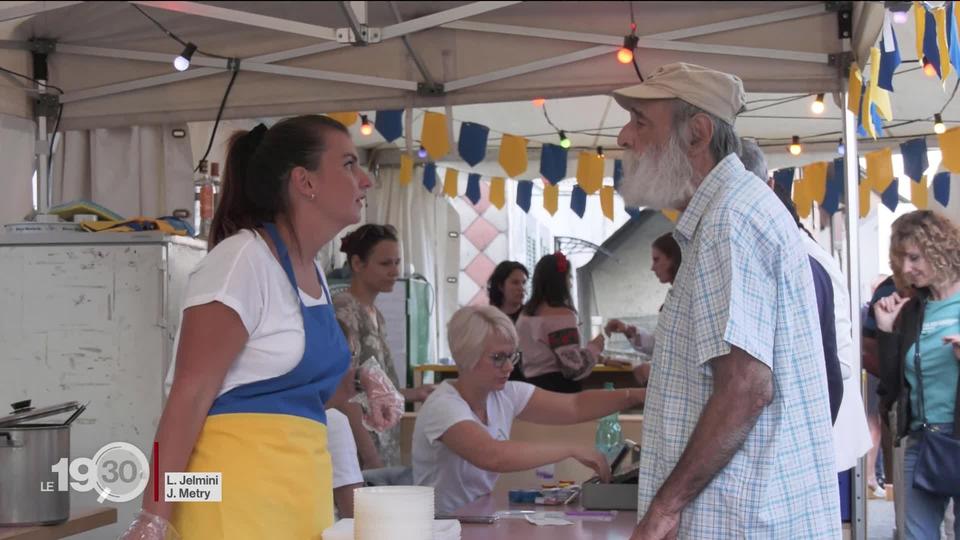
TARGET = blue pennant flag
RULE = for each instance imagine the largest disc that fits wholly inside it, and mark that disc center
(953, 41)
(633, 212)
(784, 178)
(524, 192)
(473, 188)
(578, 201)
(430, 176)
(930, 48)
(891, 196)
(617, 174)
(831, 201)
(389, 124)
(888, 62)
(553, 163)
(914, 158)
(941, 188)
(473, 142)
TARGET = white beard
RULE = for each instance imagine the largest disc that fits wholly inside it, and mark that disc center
(662, 177)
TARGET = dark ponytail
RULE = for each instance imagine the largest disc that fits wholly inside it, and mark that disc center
(550, 284)
(258, 169)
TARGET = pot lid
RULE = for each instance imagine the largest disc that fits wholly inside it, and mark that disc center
(23, 412)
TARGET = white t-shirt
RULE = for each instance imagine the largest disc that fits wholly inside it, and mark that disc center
(343, 450)
(242, 273)
(456, 481)
(851, 435)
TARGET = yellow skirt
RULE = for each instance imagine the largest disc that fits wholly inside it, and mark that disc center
(277, 479)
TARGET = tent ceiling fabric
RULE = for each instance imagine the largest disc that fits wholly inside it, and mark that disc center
(453, 55)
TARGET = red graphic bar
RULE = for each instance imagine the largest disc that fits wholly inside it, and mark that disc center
(156, 471)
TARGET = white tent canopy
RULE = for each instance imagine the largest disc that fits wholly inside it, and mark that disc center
(115, 65)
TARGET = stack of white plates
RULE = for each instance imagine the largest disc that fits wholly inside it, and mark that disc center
(394, 512)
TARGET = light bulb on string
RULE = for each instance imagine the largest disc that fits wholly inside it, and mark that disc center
(841, 148)
(422, 153)
(625, 53)
(366, 129)
(600, 152)
(564, 141)
(182, 62)
(817, 106)
(928, 68)
(938, 127)
(899, 17)
(538, 102)
(795, 148)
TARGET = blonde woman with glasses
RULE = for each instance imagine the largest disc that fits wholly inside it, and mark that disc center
(461, 441)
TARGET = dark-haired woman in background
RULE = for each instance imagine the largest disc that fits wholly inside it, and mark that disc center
(260, 354)
(549, 337)
(373, 254)
(506, 289)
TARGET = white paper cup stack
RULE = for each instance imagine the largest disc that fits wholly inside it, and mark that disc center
(394, 512)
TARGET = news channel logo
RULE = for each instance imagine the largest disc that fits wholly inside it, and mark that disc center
(118, 472)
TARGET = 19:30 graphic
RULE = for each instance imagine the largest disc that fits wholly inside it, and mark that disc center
(119, 472)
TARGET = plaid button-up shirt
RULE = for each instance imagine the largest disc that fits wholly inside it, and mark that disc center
(745, 281)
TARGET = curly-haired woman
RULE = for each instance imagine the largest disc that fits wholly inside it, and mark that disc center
(925, 254)
(549, 339)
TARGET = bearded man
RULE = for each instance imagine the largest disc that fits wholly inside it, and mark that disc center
(737, 435)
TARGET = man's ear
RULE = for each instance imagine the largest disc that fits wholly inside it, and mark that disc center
(701, 133)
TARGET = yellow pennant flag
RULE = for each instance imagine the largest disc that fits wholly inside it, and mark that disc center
(815, 177)
(434, 135)
(919, 19)
(853, 89)
(919, 193)
(802, 198)
(346, 118)
(864, 197)
(672, 215)
(940, 15)
(606, 201)
(406, 169)
(950, 148)
(450, 183)
(513, 155)
(551, 195)
(879, 169)
(590, 172)
(498, 196)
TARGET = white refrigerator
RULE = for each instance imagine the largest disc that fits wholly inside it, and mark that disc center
(91, 317)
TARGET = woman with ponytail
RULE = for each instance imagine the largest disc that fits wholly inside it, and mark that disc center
(260, 354)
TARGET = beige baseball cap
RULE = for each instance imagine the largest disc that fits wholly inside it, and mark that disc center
(718, 93)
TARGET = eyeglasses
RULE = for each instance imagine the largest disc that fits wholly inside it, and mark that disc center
(499, 359)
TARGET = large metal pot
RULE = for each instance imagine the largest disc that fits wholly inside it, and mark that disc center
(29, 493)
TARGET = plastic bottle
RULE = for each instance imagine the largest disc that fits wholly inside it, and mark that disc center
(204, 193)
(609, 438)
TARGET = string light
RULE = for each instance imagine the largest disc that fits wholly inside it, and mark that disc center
(795, 148)
(366, 128)
(422, 153)
(817, 105)
(600, 152)
(538, 102)
(564, 141)
(928, 68)
(841, 149)
(899, 17)
(182, 62)
(625, 53)
(938, 126)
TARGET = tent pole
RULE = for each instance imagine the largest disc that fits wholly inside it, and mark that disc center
(851, 174)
